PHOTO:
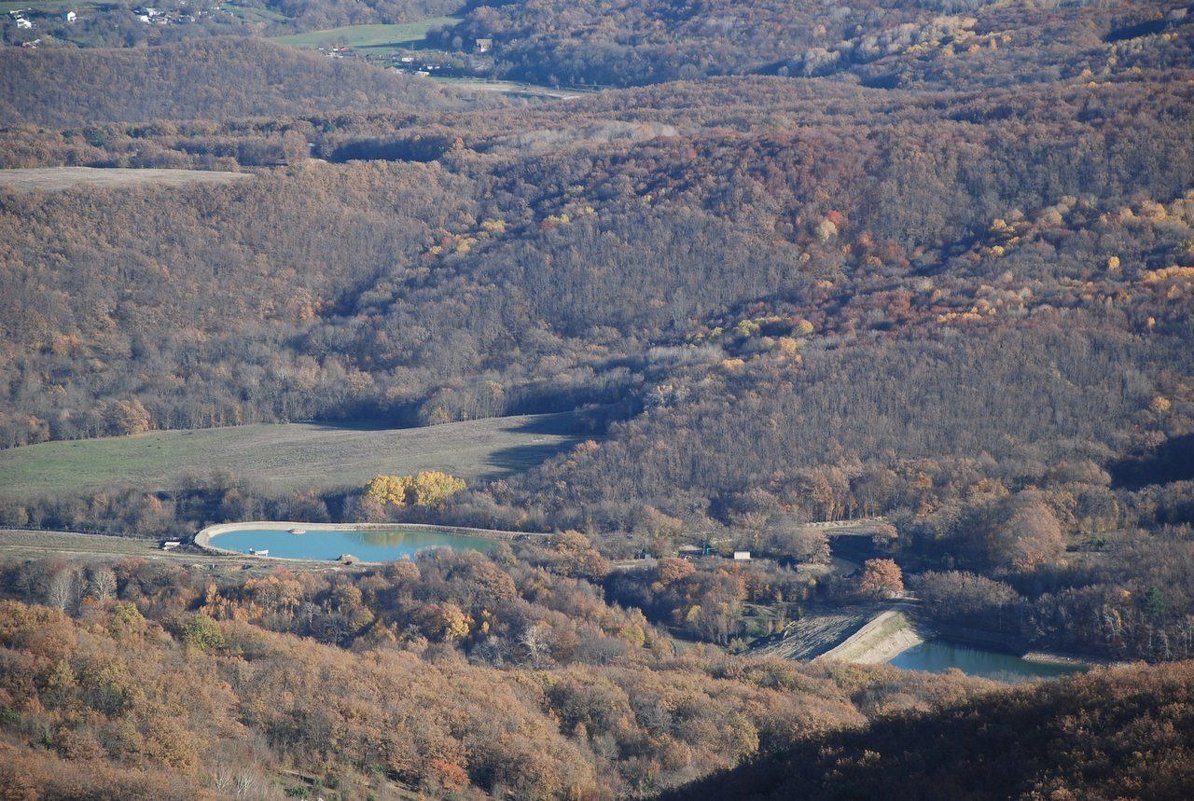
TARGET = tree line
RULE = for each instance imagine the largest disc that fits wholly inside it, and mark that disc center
(456, 673)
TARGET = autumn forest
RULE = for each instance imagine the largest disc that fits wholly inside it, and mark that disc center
(893, 296)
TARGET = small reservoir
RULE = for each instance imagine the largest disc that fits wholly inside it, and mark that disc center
(328, 544)
(937, 656)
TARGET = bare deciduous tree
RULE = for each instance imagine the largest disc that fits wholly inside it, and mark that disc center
(101, 582)
(62, 588)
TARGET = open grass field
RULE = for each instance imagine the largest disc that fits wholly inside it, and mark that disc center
(285, 457)
(49, 6)
(250, 12)
(373, 38)
(56, 179)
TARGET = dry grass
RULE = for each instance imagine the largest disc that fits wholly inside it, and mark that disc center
(34, 544)
(57, 179)
(372, 38)
(279, 458)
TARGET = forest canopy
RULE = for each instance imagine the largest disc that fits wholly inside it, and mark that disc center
(917, 273)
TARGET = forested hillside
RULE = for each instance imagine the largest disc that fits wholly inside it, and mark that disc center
(931, 261)
(466, 256)
(1099, 737)
(454, 675)
(940, 43)
(461, 675)
(787, 297)
(210, 79)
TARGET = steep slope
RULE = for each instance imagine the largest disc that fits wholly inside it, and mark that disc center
(1120, 734)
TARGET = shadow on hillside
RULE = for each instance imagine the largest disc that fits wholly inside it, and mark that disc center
(524, 457)
(557, 424)
(1172, 460)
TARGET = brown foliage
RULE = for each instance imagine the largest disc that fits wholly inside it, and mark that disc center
(881, 578)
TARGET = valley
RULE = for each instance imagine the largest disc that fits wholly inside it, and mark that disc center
(803, 397)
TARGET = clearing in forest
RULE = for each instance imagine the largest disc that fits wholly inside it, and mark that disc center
(48, 6)
(55, 179)
(285, 457)
(374, 38)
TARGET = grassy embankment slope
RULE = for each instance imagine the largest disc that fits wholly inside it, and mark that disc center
(285, 457)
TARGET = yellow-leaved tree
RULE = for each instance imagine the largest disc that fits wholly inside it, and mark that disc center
(425, 488)
(387, 490)
(433, 487)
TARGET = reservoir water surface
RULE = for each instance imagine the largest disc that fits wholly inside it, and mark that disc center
(369, 545)
(936, 656)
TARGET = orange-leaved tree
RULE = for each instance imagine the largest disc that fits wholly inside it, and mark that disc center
(881, 578)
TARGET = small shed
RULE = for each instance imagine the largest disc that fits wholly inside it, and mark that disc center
(741, 556)
(170, 545)
(484, 45)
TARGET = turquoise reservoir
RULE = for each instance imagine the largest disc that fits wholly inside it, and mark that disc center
(936, 656)
(369, 545)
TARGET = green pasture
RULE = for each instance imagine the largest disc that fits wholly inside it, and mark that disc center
(375, 38)
(284, 457)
